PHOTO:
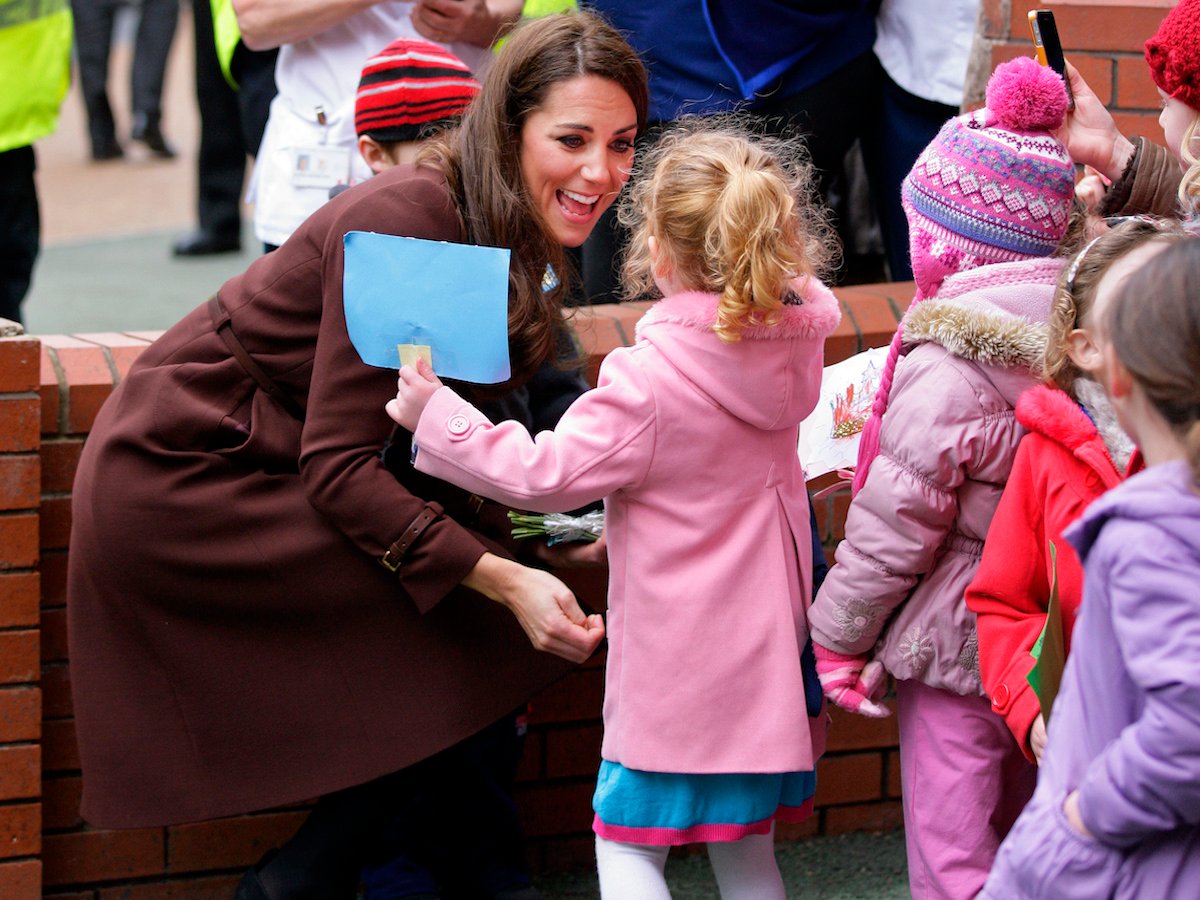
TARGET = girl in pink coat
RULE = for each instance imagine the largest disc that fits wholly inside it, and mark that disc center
(690, 436)
(988, 204)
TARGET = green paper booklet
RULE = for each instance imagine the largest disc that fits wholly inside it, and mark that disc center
(1049, 651)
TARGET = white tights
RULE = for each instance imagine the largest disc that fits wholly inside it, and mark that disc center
(745, 869)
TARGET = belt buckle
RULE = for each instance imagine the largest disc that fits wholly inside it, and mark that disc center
(390, 560)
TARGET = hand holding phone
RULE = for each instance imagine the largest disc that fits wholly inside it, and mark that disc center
(1049, 47)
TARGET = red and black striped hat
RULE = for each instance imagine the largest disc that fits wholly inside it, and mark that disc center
(410, 89)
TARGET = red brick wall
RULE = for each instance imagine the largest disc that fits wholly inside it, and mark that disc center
(50, 392)
(1102, 38)
(20, 696)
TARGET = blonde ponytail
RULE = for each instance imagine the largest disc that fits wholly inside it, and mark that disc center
(732, 213)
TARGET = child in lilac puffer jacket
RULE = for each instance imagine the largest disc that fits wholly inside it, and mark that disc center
(988, 203)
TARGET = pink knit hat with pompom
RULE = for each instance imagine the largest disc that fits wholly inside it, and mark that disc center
(993, 186)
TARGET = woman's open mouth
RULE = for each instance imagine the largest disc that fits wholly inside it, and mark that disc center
(577, 207)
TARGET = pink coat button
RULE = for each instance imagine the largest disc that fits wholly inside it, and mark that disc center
(458, 424)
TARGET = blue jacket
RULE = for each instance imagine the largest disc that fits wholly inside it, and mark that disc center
(708, 56)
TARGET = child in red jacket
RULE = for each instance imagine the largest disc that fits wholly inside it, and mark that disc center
(1075, 451)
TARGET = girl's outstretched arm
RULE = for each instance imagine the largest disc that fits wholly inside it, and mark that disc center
(603, 442)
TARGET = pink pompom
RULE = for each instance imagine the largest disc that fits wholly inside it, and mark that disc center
(1026, 96)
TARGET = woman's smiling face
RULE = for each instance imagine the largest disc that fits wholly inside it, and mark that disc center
(576, 154)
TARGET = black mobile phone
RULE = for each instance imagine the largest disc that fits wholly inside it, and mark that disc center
(1049, 47)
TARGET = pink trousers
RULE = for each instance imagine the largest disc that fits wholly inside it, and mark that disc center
(964, 781)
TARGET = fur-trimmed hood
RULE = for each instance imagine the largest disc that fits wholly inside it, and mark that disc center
(994, 315)
(762, 378)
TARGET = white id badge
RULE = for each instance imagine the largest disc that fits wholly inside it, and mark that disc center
(320, 166)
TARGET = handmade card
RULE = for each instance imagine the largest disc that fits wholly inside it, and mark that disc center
(1050, 648)
(449, 298)
(830, 435)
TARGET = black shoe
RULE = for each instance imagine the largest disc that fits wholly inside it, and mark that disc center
(205, 243)
(147, 132)
(522, 893)
(250, 888)
(104, 151)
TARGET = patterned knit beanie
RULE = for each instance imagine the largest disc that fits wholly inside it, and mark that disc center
(1174, 54)
(993, 186)
(410, 89)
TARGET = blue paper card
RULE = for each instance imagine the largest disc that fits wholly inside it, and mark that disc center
(452, 298)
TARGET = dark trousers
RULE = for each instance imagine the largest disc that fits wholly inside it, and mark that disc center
(447, 825)
(20, 229)
(94, 21)
(231, 124)
(905, 126)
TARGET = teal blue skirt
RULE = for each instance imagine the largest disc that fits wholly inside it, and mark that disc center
(665, 808)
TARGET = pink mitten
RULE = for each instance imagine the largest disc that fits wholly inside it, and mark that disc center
(851, 682)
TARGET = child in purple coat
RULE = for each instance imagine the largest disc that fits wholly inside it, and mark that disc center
(1117, 807)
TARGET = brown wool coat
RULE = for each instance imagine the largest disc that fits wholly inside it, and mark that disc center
(235, 644)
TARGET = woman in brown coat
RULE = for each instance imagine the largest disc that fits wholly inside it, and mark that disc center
(261, 609)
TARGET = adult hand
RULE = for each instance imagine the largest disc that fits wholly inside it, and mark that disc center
(1037, 738)
(850, 682)
(414, 388)
(574, 554)
(544, 606)
(1071, 811)
(1090, 134)
(477, 22)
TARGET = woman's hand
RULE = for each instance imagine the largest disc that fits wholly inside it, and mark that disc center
(1037, 738)
(414, 388)
(1090, 134)
(478, 22)
(1071, 811)
(543, 605)
(574, 554)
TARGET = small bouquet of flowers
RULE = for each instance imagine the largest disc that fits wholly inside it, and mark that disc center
(557, 527)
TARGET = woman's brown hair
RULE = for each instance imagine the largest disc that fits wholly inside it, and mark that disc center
(482, 161)
(1154, 329)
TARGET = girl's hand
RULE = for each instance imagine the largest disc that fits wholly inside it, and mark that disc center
(574, 554)
(1090, 134)
(414, 388)
(851, 682)
(1037, 738)
(543, 605)
(1091, 188)
(1071, 811)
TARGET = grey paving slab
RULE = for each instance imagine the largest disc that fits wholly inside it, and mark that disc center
(840, 867)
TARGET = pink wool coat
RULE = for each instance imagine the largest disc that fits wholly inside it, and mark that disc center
(692, 443)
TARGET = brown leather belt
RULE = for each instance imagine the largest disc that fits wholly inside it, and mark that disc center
(224, 326)
(395, 554)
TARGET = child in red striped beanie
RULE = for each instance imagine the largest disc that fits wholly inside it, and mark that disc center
(410, 90)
